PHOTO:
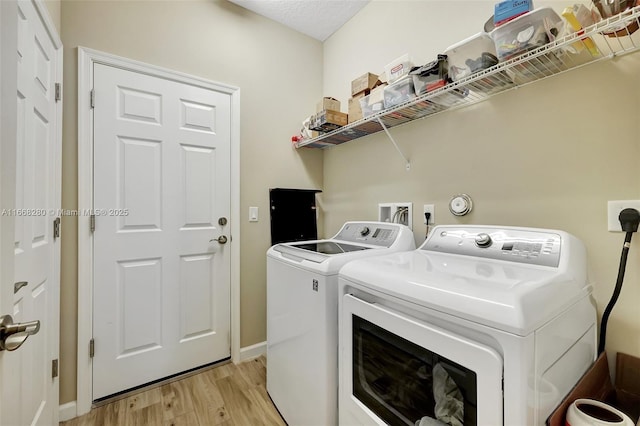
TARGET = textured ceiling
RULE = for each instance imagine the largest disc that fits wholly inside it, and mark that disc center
(316, 18)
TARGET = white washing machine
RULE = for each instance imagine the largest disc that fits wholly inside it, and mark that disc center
(481, 325)
(302, 316)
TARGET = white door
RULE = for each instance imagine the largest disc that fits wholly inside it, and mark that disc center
(161, 198)
(27, 377)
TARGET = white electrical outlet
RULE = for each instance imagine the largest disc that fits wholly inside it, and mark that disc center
(615, 207)
(429, 208)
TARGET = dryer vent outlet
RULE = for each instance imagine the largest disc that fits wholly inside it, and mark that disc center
(396, 213)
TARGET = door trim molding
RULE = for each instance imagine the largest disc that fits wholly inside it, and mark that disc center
(86, 59)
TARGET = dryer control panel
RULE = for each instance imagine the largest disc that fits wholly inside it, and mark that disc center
(522, 245)
(375, 233)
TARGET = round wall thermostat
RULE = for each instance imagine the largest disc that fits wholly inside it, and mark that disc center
(460, 205)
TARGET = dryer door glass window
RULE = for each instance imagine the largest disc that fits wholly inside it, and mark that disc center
(402, 382)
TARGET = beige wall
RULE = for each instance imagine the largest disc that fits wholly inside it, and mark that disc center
(54, 8)
(279, 72)
(546, 155)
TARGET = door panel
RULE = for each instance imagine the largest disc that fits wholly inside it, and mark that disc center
(36, 202)
(139, 315)
(140, 186)
(161, 288)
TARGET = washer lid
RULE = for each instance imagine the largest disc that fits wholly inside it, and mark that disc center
(318, 251)
(328, 247)
(510, 296)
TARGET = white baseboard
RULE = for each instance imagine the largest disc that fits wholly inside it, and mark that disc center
(67, 411)
(253, 351)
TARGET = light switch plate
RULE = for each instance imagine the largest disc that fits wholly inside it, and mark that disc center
(253, 214)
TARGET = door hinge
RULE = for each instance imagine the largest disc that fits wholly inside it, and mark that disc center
(92, 348)
(92, 222)
(58, 94)
(56, 228)
(54, 368)
(92, 98)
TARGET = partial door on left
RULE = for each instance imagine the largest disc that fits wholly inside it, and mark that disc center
(29, 381)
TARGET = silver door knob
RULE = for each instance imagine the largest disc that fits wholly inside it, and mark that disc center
(12, 336)
(222, 239)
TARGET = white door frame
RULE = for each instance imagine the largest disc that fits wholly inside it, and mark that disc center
(86, 59)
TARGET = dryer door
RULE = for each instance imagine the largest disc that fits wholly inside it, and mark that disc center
(396, 369)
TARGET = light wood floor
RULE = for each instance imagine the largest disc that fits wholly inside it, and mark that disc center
(225, 395)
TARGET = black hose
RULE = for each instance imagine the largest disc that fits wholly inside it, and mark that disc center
(616, 292)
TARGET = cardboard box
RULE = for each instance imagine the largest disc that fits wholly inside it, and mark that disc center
(327, 120)
(355, 110)
(596, 384)
(328, 103)
(365, 82)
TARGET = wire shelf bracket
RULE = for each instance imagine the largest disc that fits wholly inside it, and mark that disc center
(393, 141)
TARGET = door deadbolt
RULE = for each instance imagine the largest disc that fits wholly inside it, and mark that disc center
(12, 336)
(222, 221)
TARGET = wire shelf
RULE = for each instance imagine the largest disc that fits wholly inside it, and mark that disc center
(611, 36)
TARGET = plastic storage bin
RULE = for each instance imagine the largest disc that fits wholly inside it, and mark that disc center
(471, 55)
(398, 68)
(526, 32)
(430, 76)
(373, 102)
(399, 92)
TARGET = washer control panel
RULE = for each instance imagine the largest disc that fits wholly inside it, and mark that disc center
(535, 247)
(375, 233)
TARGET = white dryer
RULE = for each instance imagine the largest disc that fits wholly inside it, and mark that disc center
(302, 316)
(481, 325)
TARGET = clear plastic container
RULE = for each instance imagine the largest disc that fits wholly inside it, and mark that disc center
(527, 32)
(398, 68)
(399, 92)
(471, 55)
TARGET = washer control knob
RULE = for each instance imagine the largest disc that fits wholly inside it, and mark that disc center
(365, 231)
(483, 240)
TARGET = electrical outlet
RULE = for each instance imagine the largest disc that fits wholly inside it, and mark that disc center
(615, 207)
(429, 208)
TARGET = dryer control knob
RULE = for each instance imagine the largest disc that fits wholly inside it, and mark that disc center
(365, 231)
(483, 240)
